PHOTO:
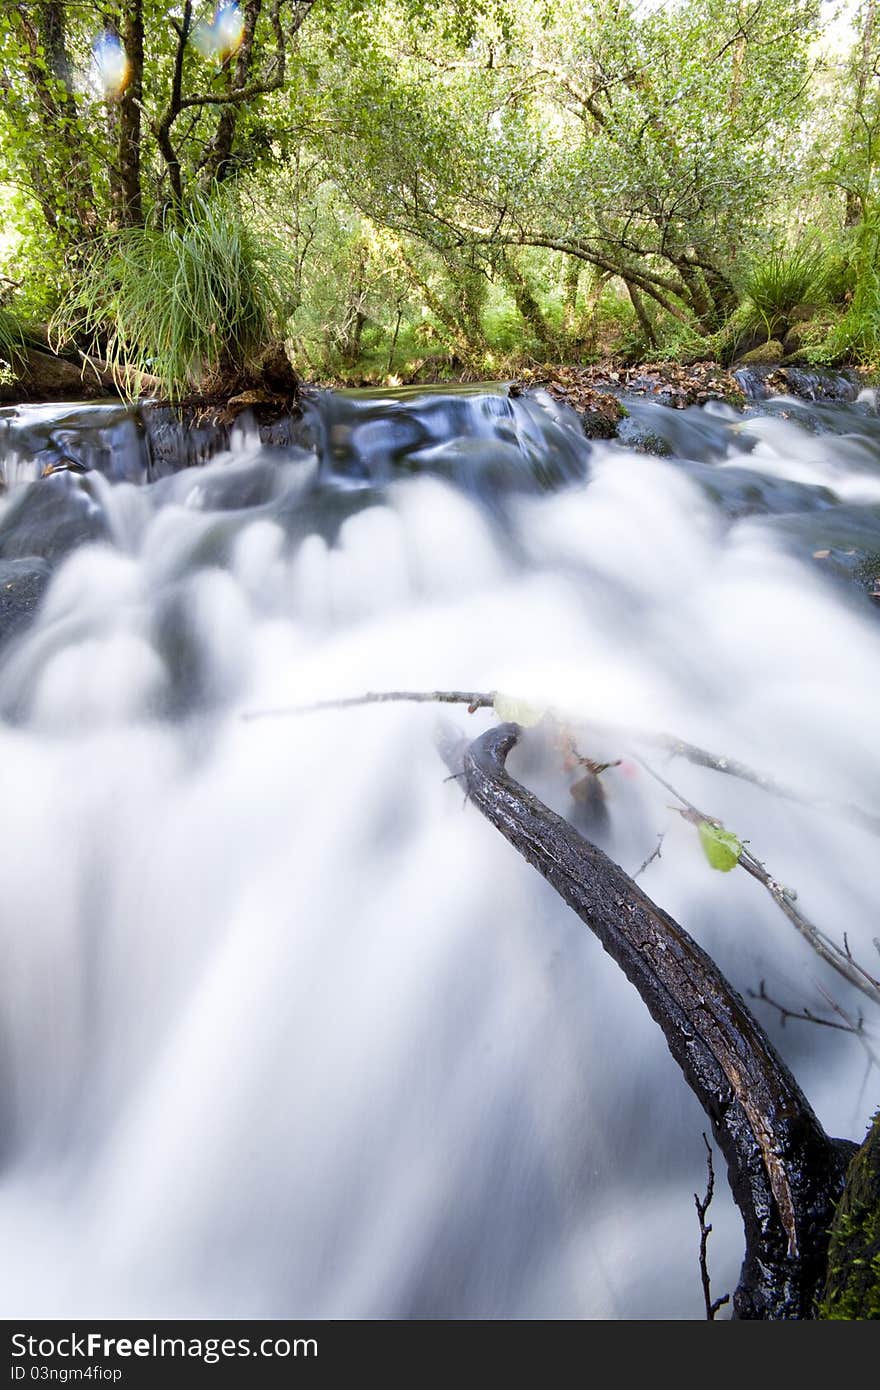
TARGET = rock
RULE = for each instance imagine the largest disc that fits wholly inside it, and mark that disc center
(767, 355)
(22, 585)
(802, 313)
(245, 400)
(50, 518)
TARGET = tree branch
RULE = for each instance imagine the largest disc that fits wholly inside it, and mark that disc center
(784, 1171)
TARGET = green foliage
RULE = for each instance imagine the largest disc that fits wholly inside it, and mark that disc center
(858, 334)
(185, 302)
(852, 1288)
(10, 343)
(435, 167)
(721, 847)
(780, 282)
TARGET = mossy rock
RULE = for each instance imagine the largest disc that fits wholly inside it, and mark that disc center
(852, 1286)
(768, 354)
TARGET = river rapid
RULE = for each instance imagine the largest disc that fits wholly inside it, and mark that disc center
(286, 1029)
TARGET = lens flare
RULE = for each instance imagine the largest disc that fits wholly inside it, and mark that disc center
(221, 38)
(111, 65)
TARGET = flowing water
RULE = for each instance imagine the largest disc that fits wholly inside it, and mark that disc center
(287, 1030)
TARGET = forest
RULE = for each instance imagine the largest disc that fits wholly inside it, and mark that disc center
(399, 190)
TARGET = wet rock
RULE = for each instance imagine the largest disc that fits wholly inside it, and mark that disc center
(814, 384)
(22, 585)
(50, 518)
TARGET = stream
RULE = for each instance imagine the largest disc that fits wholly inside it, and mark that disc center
(286, 1029)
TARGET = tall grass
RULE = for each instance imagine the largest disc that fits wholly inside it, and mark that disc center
(192, 300)
(779, 283)
(11, 341)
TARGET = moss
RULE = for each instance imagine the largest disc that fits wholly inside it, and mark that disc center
(852, 1286)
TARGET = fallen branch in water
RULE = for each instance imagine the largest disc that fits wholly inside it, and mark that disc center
(671, 743)
(474, 699)
(712, 1305)
(785, 1172)
(731, 767)
(837, 958)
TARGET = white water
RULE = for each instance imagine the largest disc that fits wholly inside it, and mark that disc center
(285, 1030)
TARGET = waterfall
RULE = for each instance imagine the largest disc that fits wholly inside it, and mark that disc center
(286, 1029)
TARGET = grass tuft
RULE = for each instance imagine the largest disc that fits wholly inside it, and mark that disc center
(185, 302)
(11, 341)
(785, 279)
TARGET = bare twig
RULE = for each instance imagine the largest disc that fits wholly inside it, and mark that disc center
(732, 767)
(803, 1015)
(474, 700)
(655, 854)
(712, 1306)
(671, 743)
(839, 958)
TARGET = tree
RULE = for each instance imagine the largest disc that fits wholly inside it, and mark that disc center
(646, 145)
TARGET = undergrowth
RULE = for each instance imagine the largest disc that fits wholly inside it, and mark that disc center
(185, 302)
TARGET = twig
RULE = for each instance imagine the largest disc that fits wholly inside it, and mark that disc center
(731, 767)
(474, 700)
(705, 1232)
(840, 959)
(803, 1015)
(857, 1028)
(655, 854)
(673, 745)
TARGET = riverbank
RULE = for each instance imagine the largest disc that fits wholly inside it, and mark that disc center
(273, 389)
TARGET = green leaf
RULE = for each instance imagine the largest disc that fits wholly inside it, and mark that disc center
(511, 709)
(721, 847)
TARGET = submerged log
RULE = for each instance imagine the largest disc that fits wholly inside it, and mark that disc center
(785, 1172)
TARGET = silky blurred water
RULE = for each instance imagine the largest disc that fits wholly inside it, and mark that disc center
(286, 1030)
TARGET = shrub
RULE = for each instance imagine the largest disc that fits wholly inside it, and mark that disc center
(191, 300)
(776, 285)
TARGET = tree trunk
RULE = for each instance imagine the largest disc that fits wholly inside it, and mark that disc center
(220, 162)
(131, 208)
(854, 210)
(529, 309)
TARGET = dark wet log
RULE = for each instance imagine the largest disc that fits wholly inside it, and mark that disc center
(785, 1172)
(45, 377)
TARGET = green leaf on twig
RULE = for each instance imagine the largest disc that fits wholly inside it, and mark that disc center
(721, 847)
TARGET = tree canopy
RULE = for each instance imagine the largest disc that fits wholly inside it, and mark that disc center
(475, 179)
